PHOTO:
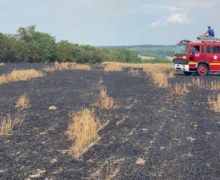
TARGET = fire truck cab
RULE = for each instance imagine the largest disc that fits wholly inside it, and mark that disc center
(201, 57)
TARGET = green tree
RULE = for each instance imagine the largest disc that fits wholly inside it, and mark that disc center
(36, 46)
(7, 48)
(29, 45)
(124, 55)
(89, 54)
(66, 51)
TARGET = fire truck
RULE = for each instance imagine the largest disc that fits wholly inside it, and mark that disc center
(202, 57)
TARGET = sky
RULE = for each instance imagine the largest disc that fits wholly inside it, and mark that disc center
(113, 22)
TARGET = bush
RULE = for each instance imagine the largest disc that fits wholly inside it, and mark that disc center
(29, 45)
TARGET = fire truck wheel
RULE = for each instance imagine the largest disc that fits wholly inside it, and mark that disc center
(187, 73)
(202, 70)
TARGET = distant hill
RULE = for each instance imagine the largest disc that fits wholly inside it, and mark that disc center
(150, 50)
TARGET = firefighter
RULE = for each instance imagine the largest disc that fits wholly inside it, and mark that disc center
(210, 32)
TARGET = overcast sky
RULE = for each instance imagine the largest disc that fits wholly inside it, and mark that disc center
(113, 22)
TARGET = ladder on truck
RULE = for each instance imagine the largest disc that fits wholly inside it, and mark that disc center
(208, 39)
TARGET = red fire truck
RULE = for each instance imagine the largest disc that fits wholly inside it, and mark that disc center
(201, 57)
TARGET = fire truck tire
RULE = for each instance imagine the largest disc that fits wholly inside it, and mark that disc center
(187, 73)
(202, 70)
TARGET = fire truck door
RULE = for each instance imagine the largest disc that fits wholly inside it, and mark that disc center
(214, 58)
(197, 53)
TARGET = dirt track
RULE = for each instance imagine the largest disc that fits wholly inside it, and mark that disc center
(177, 136)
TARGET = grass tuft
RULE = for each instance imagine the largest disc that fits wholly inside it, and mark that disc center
(215, 85)
(9, 122)
(23, 102)
(215, 103)
(105, 101)
(181, 89)
(83, 130)
(199, 83)
(160, 73)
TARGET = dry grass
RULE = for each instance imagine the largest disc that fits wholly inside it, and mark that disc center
(105, 101)
(84, 67)
(113, 66)
(58, 67)
(160, 73)
(67, 66)
(134, 72)
(170, 74)
(83, 130)
(181, 89)
(215, 85)
(6, 125)
(160, 78)
(214, 102)
(117, 66)
(20, 75)
(23, 102)
(140, 161)
(9, 122)
(199, 83)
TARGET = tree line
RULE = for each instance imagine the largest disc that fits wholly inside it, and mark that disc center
(30, 45)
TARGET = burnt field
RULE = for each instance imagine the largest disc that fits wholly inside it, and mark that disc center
(149, 123)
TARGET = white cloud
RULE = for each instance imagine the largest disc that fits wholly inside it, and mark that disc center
(178, 19)
(171, 19)
(158, 24)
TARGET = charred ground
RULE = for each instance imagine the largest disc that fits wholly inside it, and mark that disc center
(175, 136)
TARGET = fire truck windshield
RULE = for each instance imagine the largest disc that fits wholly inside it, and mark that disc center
(181, 49)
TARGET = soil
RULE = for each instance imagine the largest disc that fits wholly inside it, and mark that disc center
(152, 134)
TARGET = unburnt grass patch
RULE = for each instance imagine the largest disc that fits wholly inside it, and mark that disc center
(9, 122)
(67, 66)
(113, 66)
(23, 102)
(180, 89)
(160, 73)
(105, 101)
(20, 75)
(160, 78)
(215, 85)
(82, 131)
(58, 67)
(84, 67)
(199, 83)
(214, 102)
